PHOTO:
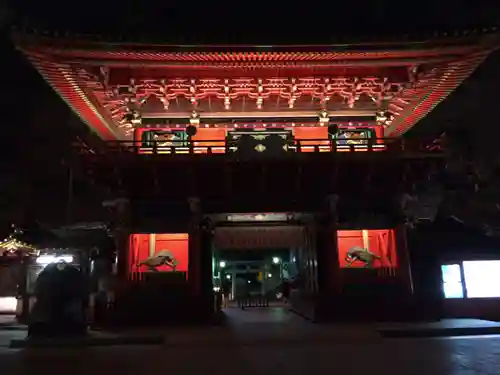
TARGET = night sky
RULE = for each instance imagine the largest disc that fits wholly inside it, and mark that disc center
(254, 21)
(38, 127)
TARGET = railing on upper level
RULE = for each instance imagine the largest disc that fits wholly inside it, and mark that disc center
(413, 146)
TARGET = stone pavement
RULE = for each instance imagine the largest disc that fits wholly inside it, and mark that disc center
(263, 344)
(267, 326)
(463, 356)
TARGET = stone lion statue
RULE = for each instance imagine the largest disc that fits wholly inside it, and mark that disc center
(359, 254)
(161, 258)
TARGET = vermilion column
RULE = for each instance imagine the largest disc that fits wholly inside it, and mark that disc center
(120, 219)
(329, 281)
(328, 260)
(205, 257)
(327, 249)
(404, 265)
(200, 260)
(334, 279)
(194, 267)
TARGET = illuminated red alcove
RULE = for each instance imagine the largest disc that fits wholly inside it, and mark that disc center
(176, 243)
(378, 241)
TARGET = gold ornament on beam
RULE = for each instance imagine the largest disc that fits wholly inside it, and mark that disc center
(260, 148)
(324, 118)
(194, 120)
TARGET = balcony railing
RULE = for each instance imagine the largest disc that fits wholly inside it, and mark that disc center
(418, 146)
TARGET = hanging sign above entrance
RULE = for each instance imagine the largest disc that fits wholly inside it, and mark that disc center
(258, 217)
(246, 238)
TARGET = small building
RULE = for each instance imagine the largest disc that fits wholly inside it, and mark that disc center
(13, 254)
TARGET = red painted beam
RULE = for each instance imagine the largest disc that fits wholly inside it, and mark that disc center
(291, 64)
(122, 75)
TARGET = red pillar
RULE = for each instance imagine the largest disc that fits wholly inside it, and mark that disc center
(194, 248)
(200, 262)
(329, 276)
(379, 133)
(138, 136)
(404, 266)
(120, 217)
(331, 244)
(334, 279)
(328, 259)
(122, 240)
(194, 259)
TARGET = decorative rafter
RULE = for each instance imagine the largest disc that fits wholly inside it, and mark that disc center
(428, 93)
(68, 89)
(127, 98)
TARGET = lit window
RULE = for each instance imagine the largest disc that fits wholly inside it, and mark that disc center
(482, 278)
(452, 281)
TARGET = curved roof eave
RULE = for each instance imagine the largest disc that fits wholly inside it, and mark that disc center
(373, 42)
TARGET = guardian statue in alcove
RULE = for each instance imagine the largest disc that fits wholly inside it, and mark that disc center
(362, 255)
(161, 258)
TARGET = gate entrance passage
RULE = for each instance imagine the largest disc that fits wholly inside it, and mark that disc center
(254, 267)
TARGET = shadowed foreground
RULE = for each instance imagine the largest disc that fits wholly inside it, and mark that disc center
(264, 342)
(474, 355)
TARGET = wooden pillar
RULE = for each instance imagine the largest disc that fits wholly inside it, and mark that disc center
(205, 257)
(120, 217)
(200, 251)
(403, 256)
(194, 249)
(422, 250)
(335, 279)
(200, 260)
(152, 244)
(122, 246)
(329, 277)
(328, 259)
(22, 288)
(137, 137)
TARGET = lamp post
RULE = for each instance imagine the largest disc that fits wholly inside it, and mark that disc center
(222, 264)
(277, 260)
